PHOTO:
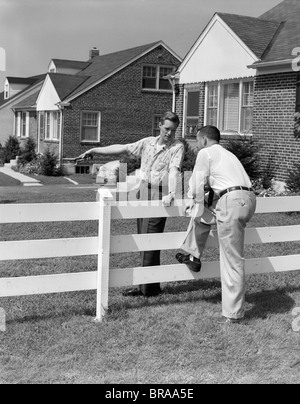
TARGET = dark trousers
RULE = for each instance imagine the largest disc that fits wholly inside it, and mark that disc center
(148, 226)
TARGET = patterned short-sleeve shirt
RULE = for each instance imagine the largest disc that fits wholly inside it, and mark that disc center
(156, 161)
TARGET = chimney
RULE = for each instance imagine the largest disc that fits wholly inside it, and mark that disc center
(94, 52)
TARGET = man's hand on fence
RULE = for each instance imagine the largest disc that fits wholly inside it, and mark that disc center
(168, 199)
(188, 208)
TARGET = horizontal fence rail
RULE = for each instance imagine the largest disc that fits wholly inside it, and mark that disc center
(84, 246)
(105, 210)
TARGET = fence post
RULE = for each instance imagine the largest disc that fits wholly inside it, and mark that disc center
(105, 199)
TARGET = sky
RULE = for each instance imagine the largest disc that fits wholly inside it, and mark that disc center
(32, 32)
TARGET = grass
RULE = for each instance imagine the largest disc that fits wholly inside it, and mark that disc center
(6, 181)
(174, 338)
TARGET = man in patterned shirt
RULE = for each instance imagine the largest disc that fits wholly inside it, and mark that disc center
(161, 162)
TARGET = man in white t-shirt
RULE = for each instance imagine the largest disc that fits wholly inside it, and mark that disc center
(233, 205)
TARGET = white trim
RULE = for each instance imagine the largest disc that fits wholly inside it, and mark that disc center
(160, 43)
(23, 93)
(215, 18)
(98, 129)
(220, 84)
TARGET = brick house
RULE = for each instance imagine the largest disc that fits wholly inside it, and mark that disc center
(242, 75)
(17, 107)
(113, 98)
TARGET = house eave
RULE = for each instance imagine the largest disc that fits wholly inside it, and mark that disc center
(273, 63)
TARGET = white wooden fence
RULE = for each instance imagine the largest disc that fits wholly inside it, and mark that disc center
(104, 278)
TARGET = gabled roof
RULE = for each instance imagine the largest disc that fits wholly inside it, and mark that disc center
(65, 84)
(254, 32)
(21, 80)
(28, 102)
(288, 38)
(35, 81)
(102, 67)
(70, 64)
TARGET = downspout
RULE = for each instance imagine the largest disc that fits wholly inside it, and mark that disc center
(61, 106)
(172, 81)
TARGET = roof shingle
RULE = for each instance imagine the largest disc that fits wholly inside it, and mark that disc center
(288, 38)
(254, 32)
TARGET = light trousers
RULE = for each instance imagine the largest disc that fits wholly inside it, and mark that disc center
(231, 212)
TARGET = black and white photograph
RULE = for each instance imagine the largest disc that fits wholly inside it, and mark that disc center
(150, 194)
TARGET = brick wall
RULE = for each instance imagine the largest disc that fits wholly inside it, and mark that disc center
(126, 111)
(273, 121)
(180, 107)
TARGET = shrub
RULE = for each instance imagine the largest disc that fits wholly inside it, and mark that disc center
(12, 149)
(190, 157)
(293, 181)
(297, 125)
(49, 164)
(247, 153)
(28, 154)
(2, 158)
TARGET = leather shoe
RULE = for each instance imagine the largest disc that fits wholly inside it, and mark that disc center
(228, 320)
(194, 266)
(132, 293)
(138, 292)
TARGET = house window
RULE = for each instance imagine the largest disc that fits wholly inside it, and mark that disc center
(247, 107)
(156, 122)
(153, 78)
(49, 125)
(229, 106)
(192, 112)
(90, 126)
(212, 105)
(41, 127)
(6, 92)
(22, 124)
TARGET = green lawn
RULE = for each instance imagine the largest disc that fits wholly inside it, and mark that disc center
(6, 181)
(174, 338)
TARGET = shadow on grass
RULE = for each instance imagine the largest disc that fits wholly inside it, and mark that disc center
(269, 302)
(264, 303)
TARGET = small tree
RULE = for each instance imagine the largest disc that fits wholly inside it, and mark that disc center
(247, 153)
(49, 162)
(190, 157)
(2, 159)
(293, 181)
(297, 125)
(12, 149)
(28, 154)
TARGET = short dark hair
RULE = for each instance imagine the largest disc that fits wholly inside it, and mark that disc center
(170, 116)
(211, 132)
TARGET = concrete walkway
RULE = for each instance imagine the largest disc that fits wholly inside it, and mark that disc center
(26, 181)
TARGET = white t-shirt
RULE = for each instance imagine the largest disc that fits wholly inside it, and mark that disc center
(219, 168)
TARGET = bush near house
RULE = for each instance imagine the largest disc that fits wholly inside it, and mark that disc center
(190, 157)
(11, 149)
(28, 153)
(247, 153)
(297, 125)
(1, 155)
(293, 181)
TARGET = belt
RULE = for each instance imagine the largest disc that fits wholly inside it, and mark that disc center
(235, 189)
